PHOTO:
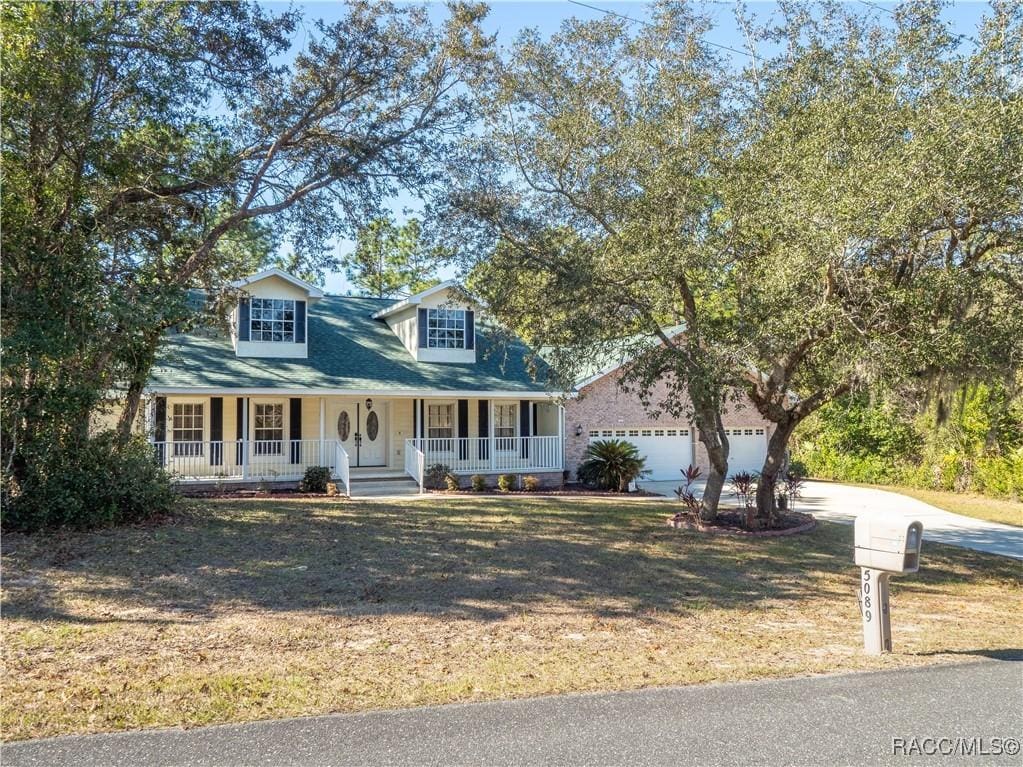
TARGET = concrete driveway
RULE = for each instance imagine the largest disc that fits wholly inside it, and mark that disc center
(843, 503)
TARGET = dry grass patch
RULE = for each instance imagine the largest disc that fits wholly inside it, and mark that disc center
(241, 610)
(968, 504)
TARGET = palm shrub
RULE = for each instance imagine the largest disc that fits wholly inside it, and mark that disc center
(611, 464)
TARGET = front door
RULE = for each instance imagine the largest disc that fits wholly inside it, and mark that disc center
(362, 429)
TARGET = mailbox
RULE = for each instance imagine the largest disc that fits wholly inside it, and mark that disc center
(889, 544)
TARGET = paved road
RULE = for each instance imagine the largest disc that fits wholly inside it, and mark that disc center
(831, 720)
(843, 503)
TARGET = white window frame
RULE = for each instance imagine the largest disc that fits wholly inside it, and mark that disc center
(440, 406)
(268, 447)
(446, 328)
(280, 330)
(506, 441)
(187, 448)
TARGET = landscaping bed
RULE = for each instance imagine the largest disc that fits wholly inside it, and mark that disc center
(240, 609)
(733, 522)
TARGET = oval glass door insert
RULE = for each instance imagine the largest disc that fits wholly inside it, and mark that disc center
(372, 426)
(344, 426)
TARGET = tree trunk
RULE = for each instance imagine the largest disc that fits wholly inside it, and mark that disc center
(773, 463)
(712, 435)
(130, 411)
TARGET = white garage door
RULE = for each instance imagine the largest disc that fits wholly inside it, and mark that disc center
(747, 448)
(667, 451)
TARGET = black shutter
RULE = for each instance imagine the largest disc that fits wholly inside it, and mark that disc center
(295, 428)
(470, 331)
(243, 319)
(422, 328)
(484, 422)
(160, 429)
(422, 418)
(300, 322)
(216, 431)
(239, 428)
(535, 430)
(524, 426)
(463, 429)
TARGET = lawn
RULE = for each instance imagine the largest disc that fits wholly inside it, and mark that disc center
(968, 504)
(251, 609)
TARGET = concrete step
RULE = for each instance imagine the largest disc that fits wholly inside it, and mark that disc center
(369, 488)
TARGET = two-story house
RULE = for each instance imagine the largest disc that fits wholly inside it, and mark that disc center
(382, 389)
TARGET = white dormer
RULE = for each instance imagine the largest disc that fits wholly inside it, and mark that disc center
(271, 319)
(437, 325)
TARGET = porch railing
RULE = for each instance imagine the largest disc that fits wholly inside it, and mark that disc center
(256, 460)
(478, 455)
(341, 467)
(415, 462)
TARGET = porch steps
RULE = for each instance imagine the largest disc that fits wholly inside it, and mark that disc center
(373, 485)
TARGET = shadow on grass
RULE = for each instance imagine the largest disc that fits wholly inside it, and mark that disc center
(479, 559)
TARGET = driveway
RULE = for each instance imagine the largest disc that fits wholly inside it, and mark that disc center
(910, 716)
(843, 503)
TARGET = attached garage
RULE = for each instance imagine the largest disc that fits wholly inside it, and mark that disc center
(667, 451)
(747, 449)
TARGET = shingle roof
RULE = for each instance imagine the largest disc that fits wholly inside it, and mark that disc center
(348, 350)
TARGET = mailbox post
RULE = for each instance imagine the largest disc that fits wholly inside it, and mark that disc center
(883, 547)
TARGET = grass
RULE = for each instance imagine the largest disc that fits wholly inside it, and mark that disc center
(246, 609)
(968, 504)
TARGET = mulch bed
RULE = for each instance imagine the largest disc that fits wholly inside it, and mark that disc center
(730, 522)
(582, 491)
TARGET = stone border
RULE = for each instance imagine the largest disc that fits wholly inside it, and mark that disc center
(693, 524)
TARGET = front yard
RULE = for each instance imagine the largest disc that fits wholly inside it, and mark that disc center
(254, 609)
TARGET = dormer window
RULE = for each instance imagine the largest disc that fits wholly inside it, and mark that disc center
(272, 319)
(445, 328)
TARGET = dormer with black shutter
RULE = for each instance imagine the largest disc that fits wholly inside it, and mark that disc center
(437, 325)
(271, 319)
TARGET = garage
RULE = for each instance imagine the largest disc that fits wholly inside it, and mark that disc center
(667, 451)
(747, 449)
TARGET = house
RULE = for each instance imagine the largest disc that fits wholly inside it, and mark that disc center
(383, 389)
(367, 387)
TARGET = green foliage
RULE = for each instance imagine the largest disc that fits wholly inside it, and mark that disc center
(315, 479)
(101, 482)
(977, 447)
(391, 260)
(530, 483)
(506, 483)
(451, 482)
(478, 483)
(435, 477)
(611, 464)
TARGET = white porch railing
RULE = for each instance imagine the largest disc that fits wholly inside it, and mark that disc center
(415, 462)
(250, 460)
(479, 455)
(342, 467)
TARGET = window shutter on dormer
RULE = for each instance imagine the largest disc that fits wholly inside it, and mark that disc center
(243, 319)
(422, 328)
(470, 331)
(300, 322)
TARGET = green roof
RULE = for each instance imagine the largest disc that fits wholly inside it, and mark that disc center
(348, 350)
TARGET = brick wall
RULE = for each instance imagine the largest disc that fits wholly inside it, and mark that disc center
(603, 404)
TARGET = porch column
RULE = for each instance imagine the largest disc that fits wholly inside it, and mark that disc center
(491, 437)
(245, 437)
(324, 461)
(561, 436)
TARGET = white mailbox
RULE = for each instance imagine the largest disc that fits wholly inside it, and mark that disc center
(885, 546)
(888, 544)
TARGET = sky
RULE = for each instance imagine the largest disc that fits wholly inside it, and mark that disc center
(507, 19)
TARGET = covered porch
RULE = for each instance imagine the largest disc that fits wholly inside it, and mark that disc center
(265, 437)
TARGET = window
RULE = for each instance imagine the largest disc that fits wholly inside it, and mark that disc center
(645, 433)
(186, 428)
(272, 319)
(268, 429)
(633, 432)
(438, 422)
(760, 431)
(594, 433)
(504, 426)
(445, 328)
(658, 432)
(607, 433)
(670, 432)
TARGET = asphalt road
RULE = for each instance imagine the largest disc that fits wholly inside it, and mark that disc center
(848, 719)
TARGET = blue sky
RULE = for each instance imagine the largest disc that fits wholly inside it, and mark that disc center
(507, 19)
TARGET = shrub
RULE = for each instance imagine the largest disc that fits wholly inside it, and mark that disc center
(684, 492)
(530, 483)
(611, 464)
(478, 482)
(434, 477)
(744, 485)
(97, 482)
(506, 482)
(451, 482)
(315, 480)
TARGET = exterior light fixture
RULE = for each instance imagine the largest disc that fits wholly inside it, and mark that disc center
(578, 430)
(369, 403)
